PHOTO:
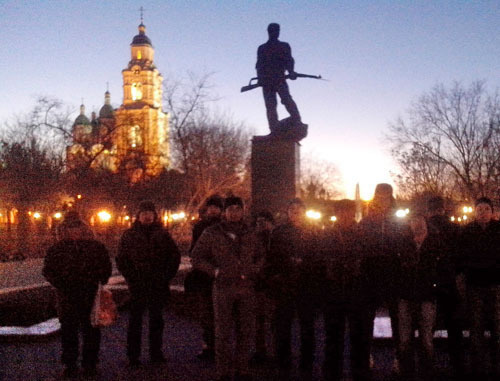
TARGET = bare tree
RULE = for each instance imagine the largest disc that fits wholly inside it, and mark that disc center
(210, 149)
(448, 142)
(48, 123)
(319, 179)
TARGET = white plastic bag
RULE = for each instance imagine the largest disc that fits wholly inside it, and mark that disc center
(104, 309)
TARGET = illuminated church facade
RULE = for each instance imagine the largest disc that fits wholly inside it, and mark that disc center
(133, 138)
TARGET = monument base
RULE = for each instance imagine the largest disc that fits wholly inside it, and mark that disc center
(275, 172)
(289, 129)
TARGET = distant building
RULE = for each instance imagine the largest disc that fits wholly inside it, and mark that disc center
(134, 137)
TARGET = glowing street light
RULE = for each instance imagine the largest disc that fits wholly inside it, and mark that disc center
(104, 216)
(37, 215)
(57, 215)
(333, 218)
(401, 213)
(313, 214)
(178, 216)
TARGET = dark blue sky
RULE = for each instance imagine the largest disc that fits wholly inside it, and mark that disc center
(378, 55)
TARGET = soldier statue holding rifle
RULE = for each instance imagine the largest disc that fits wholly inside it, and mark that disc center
(274, 59)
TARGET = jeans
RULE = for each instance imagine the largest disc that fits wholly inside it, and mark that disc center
(426, 312)
(478, 298)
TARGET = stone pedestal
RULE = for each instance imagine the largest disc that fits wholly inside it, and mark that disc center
(275, 173)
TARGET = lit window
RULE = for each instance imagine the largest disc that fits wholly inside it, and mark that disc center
(139, 55)
(134, 136)
(136, 91)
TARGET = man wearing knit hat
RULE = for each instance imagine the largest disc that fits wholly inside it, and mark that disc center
(231, 253)
(148, 258)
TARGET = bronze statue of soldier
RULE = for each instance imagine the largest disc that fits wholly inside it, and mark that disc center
(274, 58)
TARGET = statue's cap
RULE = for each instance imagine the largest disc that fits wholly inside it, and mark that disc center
(273, 27)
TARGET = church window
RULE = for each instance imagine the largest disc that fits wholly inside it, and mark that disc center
(134, 137)
(136, 91)
(139, 55)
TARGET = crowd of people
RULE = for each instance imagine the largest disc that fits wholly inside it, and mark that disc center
(252, 281)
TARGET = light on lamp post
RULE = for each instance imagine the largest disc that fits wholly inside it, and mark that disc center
(104, 216)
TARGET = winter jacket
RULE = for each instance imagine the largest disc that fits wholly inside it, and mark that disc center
(196, 280)
(382, 249)
(480, 255)
(294, 264)
(75, 267)
(233, 249)
(449, 233)
(147, 256)
(339, 262)
(429, 273)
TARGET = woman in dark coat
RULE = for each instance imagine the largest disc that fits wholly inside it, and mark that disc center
(75, 266)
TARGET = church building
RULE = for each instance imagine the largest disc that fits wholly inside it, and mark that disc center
(133, 138)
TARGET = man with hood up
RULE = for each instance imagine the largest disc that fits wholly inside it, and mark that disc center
(148, 258)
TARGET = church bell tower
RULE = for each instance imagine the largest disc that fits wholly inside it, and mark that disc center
(142, 146)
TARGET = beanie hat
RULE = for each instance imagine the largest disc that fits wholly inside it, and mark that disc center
(484, 200)
(147, 206)
(216, 201)
(383, 189)
(233, 200)
(71, 220)
(435, 203)
(265, 214)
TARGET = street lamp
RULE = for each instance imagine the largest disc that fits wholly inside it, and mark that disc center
(104, 216)
(313, 214)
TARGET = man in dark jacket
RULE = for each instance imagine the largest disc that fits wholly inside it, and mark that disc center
(200, 283)
(148, 258)
(293, 274)
(75, 266)
(340, 265)
(451, 296)
(481, 264)
(382, 246)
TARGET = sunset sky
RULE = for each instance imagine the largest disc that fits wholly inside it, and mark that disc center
(378, 57)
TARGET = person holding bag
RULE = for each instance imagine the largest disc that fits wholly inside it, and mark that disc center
(75, 265)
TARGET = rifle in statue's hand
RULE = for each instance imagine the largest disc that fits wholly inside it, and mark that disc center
(252, 86)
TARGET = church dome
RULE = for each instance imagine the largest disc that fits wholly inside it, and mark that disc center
(82, 119)
(141, 38)
(106, 110)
